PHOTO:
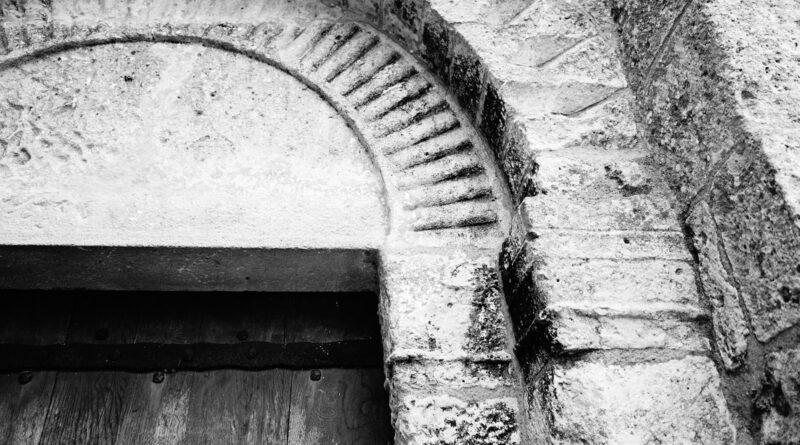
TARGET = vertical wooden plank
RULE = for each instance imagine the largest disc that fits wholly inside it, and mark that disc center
(217, 407)
(345, 406)
(239, 407)
(23, 408)
(155, 413)
(86, 408)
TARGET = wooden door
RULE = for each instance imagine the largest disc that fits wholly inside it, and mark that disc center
(191, 368)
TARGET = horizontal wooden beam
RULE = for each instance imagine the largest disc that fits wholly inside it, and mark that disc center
(196, 356)
(167, 268)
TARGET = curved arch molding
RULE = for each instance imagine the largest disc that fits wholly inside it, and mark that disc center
(600, 285)
(440, 179)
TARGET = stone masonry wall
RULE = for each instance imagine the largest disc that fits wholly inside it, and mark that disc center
(618, 318)
(717, 84)
(611, 327)
(448, 346)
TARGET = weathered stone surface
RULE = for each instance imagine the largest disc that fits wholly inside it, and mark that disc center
(730, 326)
(608, 125)
(718, 95)
(443, 306)
(590, 190)
(779, 398)
(113, 144)
(352, 66)
(677, 401)
(446, 420)
(455, 376)
(577, 304)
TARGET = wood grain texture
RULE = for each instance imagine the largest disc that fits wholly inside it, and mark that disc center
(224, 406)
(23, 408)
(86, 408)
(346, 406)
(239, 407)
(156, 413)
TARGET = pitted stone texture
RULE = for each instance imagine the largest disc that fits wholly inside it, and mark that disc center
(673, 402)
(454, 376)
(446, 420)
(779, 399)
(728, 320)
(595, 190)
(619, 290)
(148, 144)
(718, 89)
(443, 306)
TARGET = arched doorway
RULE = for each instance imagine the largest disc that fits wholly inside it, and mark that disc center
(445, 338)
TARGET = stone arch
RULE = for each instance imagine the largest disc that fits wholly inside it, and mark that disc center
(443, 315)
(601, 287)
(439, 178)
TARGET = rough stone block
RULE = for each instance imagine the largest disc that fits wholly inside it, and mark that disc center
(575, 290)
(370, 9)
(643, 25)
(728, 321)
(453, 376)
(589, 173)
(443, 306)
(466, 78)
(543, 95)
(436, 44)
(779, 399)
(677, 401)
(404, 20)
(526, 246)
(547, 30)
(590, 190)
(492, 12)
(608, 126)
(762, 241)
(622, 245)
(574, 330)
(622, 286)
(610, 213)
(447, 420)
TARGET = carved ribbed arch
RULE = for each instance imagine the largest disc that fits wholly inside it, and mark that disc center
(440, 179)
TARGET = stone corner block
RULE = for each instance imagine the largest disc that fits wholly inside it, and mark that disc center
(445, 420)
(443, 306)
(677, 401)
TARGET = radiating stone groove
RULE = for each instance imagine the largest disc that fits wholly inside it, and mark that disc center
(366, 78)
(418, 132)
(417, 118)
(425, 155)
(306, 42)
(361, 52)
(452, 166)
(461, 214)
(334, 43)
(448, 192)
(394, 145)
(383, 81)
(400, 110)
(399, 95)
